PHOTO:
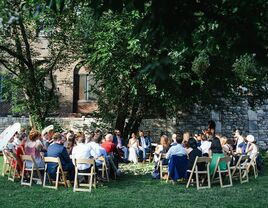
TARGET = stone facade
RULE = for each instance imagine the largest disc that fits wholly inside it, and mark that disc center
(242, 117)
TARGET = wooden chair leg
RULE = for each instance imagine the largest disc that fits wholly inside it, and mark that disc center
(208, 175)
(75, 180)
(189, 180)
(31, 177)
(57, 178)
(197, 180)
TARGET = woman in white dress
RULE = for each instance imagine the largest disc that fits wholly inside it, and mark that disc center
(133, 146)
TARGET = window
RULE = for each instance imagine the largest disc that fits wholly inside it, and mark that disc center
(86, 83)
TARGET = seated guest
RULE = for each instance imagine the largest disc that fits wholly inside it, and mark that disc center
(133, 146)
(238, 138)
(81, 151)
(119, 142)
(186, 137)
(242, 147)
(205, 146)
(96, 149)
(252, 148)
(112, 153)
(176, 149)
(21, 149)
(32, 148)
(70, 143)
(56, 149)
(216, 152)
(174, 139)
(145, 145)
(47, 135)
(177, 156)
(227, 147)
(161, 148)
(195, 152)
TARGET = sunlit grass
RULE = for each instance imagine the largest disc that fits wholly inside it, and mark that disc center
(136, 188)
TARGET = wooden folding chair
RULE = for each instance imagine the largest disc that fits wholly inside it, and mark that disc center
(206, 173)
(91, 175)
(34, 167)
(6, 164)
(13, 173)
(241, 167)
(253, 164)
(104, 168)
(163, 168)
(60, 174)
(226, 160)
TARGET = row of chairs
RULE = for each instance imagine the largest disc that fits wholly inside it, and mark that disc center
(240, 170)
(28, 175)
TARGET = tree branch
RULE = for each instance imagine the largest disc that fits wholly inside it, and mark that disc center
(4, 63)
(26, 42)
(14, 54)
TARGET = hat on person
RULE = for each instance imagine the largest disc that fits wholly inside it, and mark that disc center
(47, 129)
(250, 138)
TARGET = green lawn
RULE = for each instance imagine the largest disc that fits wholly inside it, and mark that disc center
(136, 189)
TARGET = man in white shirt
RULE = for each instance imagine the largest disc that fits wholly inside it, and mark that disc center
(239, 139)
(177, 149)
(96, 150)
(81, 151)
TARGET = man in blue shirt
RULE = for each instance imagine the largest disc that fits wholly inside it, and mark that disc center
(145, 145)
(56, 149)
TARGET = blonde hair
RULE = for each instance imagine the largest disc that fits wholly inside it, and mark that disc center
(223, 140)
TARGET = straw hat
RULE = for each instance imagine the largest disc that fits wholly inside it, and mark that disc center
(47, 129)
(250, 138)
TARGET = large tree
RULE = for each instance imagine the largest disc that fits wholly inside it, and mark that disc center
(172, 54)
(29, 68)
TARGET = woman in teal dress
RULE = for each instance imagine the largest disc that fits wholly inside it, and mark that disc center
(216, 152)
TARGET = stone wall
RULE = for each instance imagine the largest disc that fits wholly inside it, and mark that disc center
(247, 120)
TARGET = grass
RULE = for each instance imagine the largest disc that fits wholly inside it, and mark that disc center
(136, 189)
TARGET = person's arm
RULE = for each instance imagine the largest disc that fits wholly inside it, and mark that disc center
(168, 155)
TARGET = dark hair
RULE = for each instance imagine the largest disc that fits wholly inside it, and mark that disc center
(230, 142)
(216, 145)
(97, 138)
(211, 124)
(192, 143)
(179, 139)
(22, 136)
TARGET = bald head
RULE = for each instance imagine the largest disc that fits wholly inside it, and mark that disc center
(109, 137)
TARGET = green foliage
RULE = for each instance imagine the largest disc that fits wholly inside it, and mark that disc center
(29, 79)
(56, 124)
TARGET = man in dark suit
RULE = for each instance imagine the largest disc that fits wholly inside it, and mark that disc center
(119, 142)
(145, 145)
(56, 149)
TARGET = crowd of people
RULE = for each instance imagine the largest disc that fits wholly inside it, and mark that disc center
(114, 149)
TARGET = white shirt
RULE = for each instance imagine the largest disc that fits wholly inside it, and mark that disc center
(94, 149)
(81, 151)
(177, 149)
(205, 146)
(253, 151)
